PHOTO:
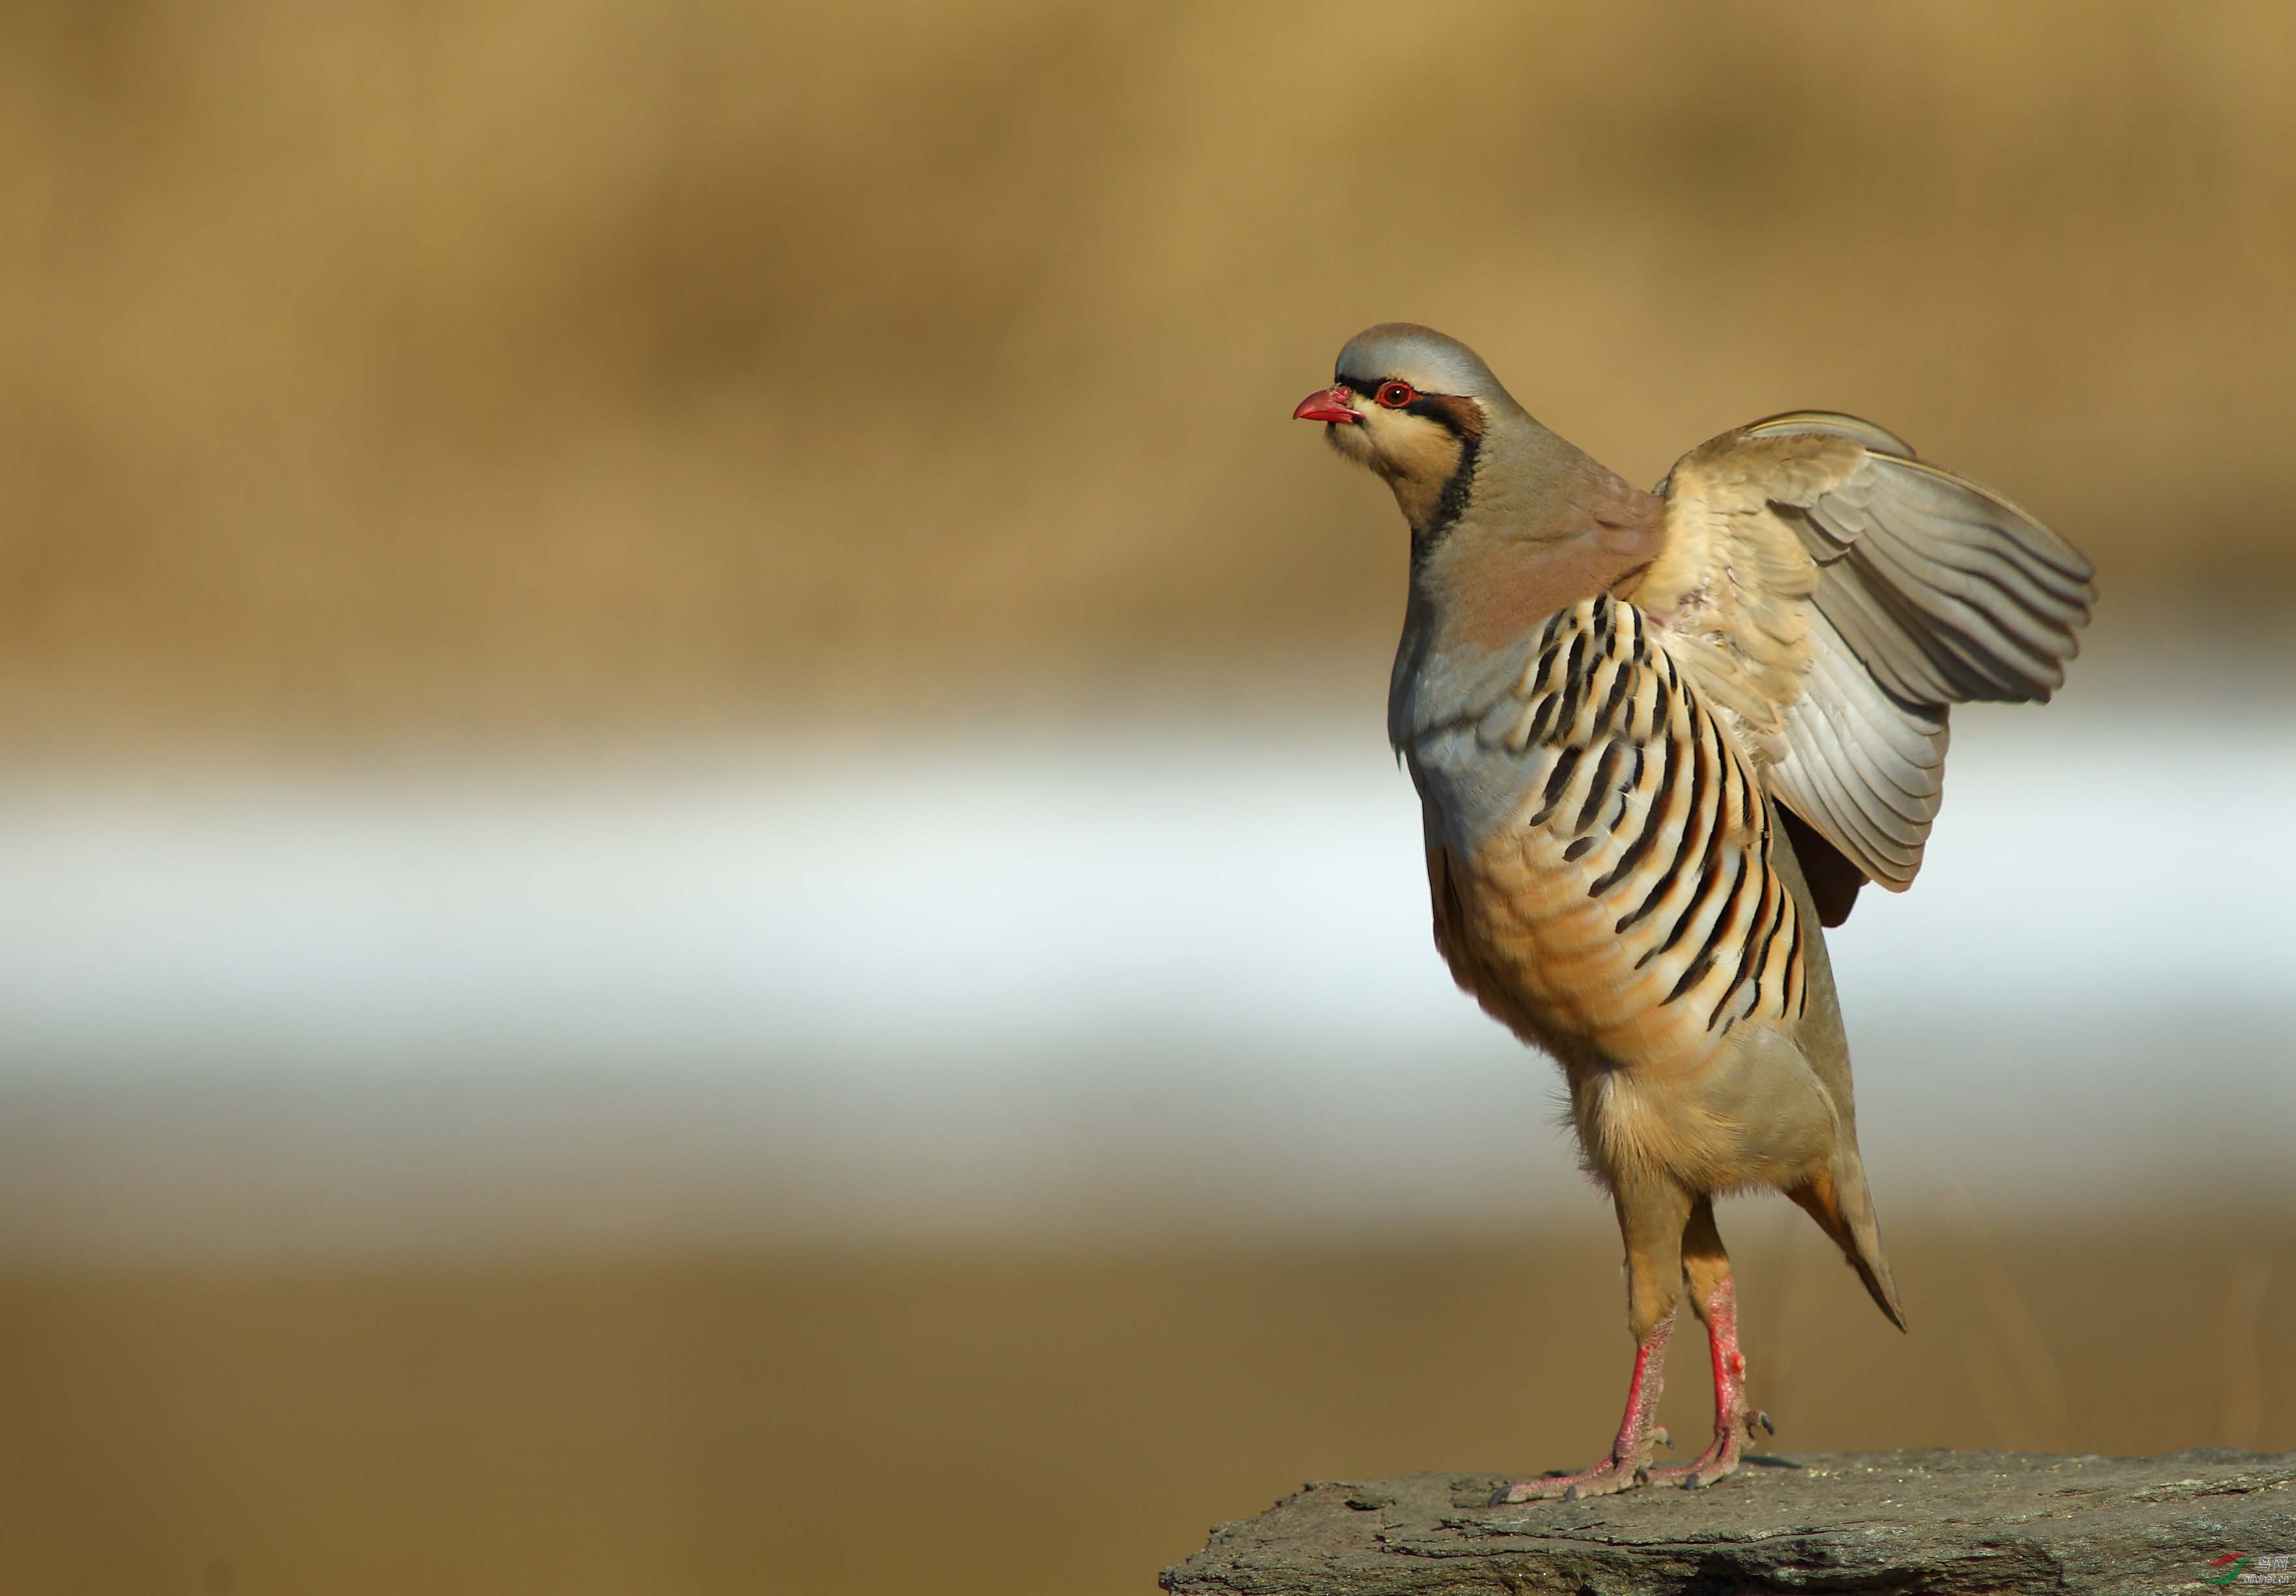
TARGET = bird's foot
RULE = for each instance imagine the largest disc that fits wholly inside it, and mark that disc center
(1608, 1477)
(1718, 1461)
(1629, 1464)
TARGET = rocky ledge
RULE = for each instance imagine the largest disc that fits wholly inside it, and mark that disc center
(1900, 1522)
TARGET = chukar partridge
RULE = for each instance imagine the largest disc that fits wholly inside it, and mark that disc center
(1660, 740)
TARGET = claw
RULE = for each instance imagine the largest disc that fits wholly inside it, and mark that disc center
(1571, 1494)
(1660, 1435)
(1766, 1425)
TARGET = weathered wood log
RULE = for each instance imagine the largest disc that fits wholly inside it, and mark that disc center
(1900, 1522)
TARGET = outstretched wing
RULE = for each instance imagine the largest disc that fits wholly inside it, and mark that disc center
(1833, 595)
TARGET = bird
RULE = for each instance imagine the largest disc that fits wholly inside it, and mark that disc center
(1661, 741)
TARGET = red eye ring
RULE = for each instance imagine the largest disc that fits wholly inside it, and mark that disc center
(1396, 395)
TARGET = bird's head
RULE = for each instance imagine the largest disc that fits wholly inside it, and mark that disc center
(1412, 406)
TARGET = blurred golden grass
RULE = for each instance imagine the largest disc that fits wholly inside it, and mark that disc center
(979, 1421)
(373, 369)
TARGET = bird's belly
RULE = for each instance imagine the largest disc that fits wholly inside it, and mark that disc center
(1547, 959)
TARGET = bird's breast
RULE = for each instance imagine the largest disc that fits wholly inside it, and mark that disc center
(1600, 851)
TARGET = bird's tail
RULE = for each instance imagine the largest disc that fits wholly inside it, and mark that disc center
(1844, 1210)
(1837, 1197)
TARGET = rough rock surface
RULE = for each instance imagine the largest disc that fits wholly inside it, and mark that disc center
(1901, 1522)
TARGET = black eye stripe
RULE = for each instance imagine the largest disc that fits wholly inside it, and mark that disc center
(1456, 417)
(1370, 387)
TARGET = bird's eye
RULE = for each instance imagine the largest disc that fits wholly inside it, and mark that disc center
(1396, 395)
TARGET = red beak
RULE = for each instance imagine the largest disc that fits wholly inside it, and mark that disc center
(1328, 404)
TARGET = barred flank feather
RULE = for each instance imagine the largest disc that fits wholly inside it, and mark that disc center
(1636, 793)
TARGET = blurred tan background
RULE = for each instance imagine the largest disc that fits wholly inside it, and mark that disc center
(698, 889)
(388, 368)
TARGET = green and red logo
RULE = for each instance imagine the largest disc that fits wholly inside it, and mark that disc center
(2246, 1568)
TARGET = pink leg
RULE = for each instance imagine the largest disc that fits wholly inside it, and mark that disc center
(1629, 1464)
(1735, 1418)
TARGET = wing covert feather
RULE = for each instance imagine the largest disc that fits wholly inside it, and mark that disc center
(1834, 595)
